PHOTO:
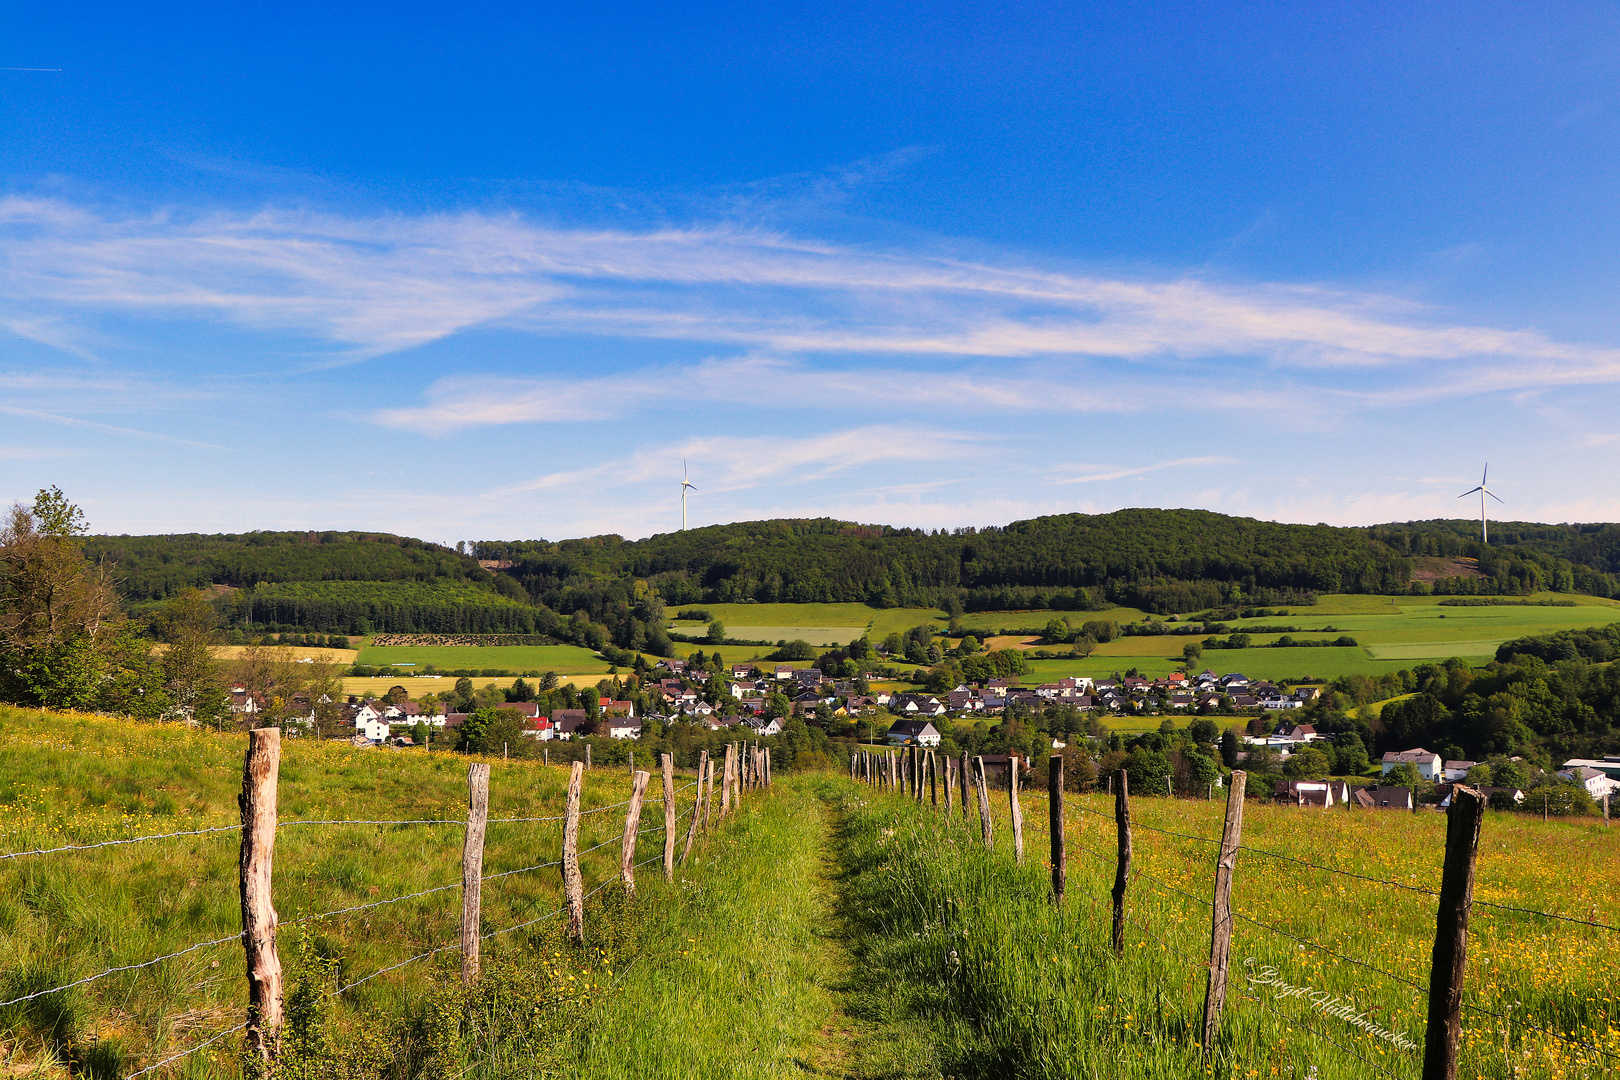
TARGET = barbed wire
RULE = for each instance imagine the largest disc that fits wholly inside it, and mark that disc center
(1336, 870)
(116, 970)
(1546, 915)
(115, 843)
(187, 1053)
(1331, 952)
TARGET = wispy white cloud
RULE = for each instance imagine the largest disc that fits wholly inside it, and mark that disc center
(1089, 474)
(724, 464)
(369, 286)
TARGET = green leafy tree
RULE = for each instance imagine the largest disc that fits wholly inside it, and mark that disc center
(1191, 653)
(189, 628)
(717, 632)
(58, 614)
(1307, 763)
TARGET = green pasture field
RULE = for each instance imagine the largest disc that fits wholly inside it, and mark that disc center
(563, 659)
(821, 636)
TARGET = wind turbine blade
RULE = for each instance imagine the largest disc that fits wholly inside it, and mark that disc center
(1469, 492)
(1485, 474)
(1493, 495)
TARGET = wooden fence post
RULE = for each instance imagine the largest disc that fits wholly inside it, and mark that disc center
(962, 778)
(1220, 925)
(1463, 820)
(1017, 809)
(632, 823)
(573, 887)
(587, 755)
(547, 752)
(260, 770)
(725, 784)
(1122, 867)
(697, 805)
(982, 782)
(668, 763)
(1054, 802)
(949, 778)
(472, 869)
(708, 794)
(933, 779)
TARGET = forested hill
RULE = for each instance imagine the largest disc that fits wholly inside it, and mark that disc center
(1163, 560)
(156, 567)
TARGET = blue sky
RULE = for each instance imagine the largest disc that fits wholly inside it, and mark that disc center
(496, 270)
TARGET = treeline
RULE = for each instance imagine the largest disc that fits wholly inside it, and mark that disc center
(157, 567)
(1160, 560)
(1165, 560)
(364, 607)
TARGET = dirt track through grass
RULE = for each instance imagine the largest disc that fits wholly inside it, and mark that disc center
(759, 979)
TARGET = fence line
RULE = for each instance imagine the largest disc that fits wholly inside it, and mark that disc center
(1439, 1057)
(266, 791)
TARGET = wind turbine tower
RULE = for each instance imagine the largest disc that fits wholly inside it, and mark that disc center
(687, 485)
(1484, 530)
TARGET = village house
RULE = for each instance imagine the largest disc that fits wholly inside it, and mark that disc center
(918, 732)
(1427, 762)
(1383, 798)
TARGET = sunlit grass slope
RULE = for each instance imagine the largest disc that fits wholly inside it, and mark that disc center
(81, 779)
(1011, 985)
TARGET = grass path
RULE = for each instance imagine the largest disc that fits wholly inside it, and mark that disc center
(759, 978)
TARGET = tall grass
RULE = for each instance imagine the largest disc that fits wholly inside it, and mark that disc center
(1013, 985)
(68, 915)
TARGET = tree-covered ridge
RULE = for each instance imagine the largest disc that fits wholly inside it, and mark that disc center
(155, 567)
(1165, 560)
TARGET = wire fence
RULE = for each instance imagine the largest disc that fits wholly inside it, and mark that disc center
(696, 804)
(1146, 865)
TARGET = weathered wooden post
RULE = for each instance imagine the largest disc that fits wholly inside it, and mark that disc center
(1017, 809)
(984, 802)
(573, 887)
(933, 779)
(546, 752)
(472, 869)
(1054, 805)
(962, 778)
(708, 794)
(260, 770)
(725, 785)
(1463, 820)
(632, 823)
(949, 781)
(697, 805)
(587, 755)
(767, 766)
(668, 763)
(1122, 867)
(1220, 925)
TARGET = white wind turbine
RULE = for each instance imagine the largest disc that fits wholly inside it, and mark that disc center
(685, 486)
(1484, 532)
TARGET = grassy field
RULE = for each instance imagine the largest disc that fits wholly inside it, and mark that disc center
(81, 779)
(1007, 984)
(563, 659)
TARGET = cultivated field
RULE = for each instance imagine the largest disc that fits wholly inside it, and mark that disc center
(563, 659)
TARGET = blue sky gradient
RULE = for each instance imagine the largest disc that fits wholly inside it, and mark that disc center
(496, 270)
